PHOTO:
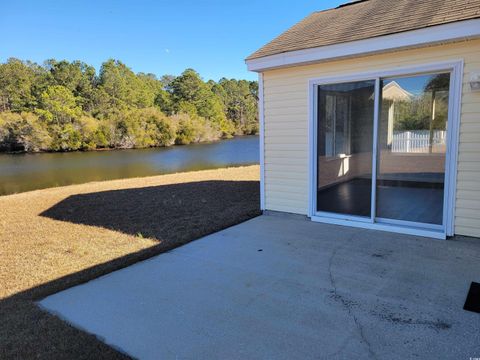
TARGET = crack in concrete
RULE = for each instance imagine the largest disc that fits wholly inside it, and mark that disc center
(347, 305)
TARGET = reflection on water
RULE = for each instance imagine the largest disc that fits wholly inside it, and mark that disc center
(37, 171)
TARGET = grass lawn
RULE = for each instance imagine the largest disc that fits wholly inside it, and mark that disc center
(56, 238)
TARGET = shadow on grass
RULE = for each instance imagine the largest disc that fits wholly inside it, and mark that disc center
(177, 212)
(173, 214)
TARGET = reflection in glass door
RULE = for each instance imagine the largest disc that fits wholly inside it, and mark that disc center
(344, 148)
(412, 148)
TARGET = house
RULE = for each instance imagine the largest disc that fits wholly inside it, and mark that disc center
(370, 117)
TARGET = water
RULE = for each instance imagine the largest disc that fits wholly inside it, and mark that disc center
(26, 172)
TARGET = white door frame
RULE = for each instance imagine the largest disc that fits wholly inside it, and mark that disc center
(454, 107)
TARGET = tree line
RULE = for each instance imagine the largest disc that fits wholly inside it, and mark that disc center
(67, 106)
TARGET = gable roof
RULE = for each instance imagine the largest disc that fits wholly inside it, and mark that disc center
(367, 19)
(393, 91)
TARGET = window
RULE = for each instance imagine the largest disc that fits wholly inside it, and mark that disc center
(337, 123)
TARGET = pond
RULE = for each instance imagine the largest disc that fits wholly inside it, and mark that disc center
(24, 172)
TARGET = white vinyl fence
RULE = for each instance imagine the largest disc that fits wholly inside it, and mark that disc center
(417, 141)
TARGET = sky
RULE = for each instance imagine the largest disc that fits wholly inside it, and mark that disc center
(159, 37)
(413, 84)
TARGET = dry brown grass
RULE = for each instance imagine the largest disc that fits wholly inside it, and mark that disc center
(55, 238)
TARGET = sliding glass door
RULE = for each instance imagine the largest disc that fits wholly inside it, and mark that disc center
(412, 148)
(344, 148)
(381, 147)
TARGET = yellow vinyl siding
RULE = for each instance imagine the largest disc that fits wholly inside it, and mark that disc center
(286, 126)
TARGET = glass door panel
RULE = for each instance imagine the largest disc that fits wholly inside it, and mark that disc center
(412, 147)
(344, 147)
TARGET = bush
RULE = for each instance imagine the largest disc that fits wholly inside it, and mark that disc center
(412, 123)
(193, 129)
(93, 136)
(186, 130)
(66, 138)
(23, 132)
(152, 128)
(120, 130)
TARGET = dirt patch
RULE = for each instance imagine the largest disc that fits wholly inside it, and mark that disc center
(56, 238)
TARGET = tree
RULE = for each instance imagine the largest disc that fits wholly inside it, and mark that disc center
(438, 83)
(64, 106)
(164, 101)
(239, 99)
(124, 87)
(16, 79)
(76, 76)
(59, 105)
(166, 81)
(190, 88)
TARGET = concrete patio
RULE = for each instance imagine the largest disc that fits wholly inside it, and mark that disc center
(281, 287)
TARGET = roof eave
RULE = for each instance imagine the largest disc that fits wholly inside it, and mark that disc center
(451, 32)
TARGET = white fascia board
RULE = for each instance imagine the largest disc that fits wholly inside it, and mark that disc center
(457, 31)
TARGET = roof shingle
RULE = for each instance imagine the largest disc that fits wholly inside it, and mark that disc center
(367, 19)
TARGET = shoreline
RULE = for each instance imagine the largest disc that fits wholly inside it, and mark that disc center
(150, 179)
(121, 149)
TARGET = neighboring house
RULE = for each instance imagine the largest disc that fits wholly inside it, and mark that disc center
(370, 117)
